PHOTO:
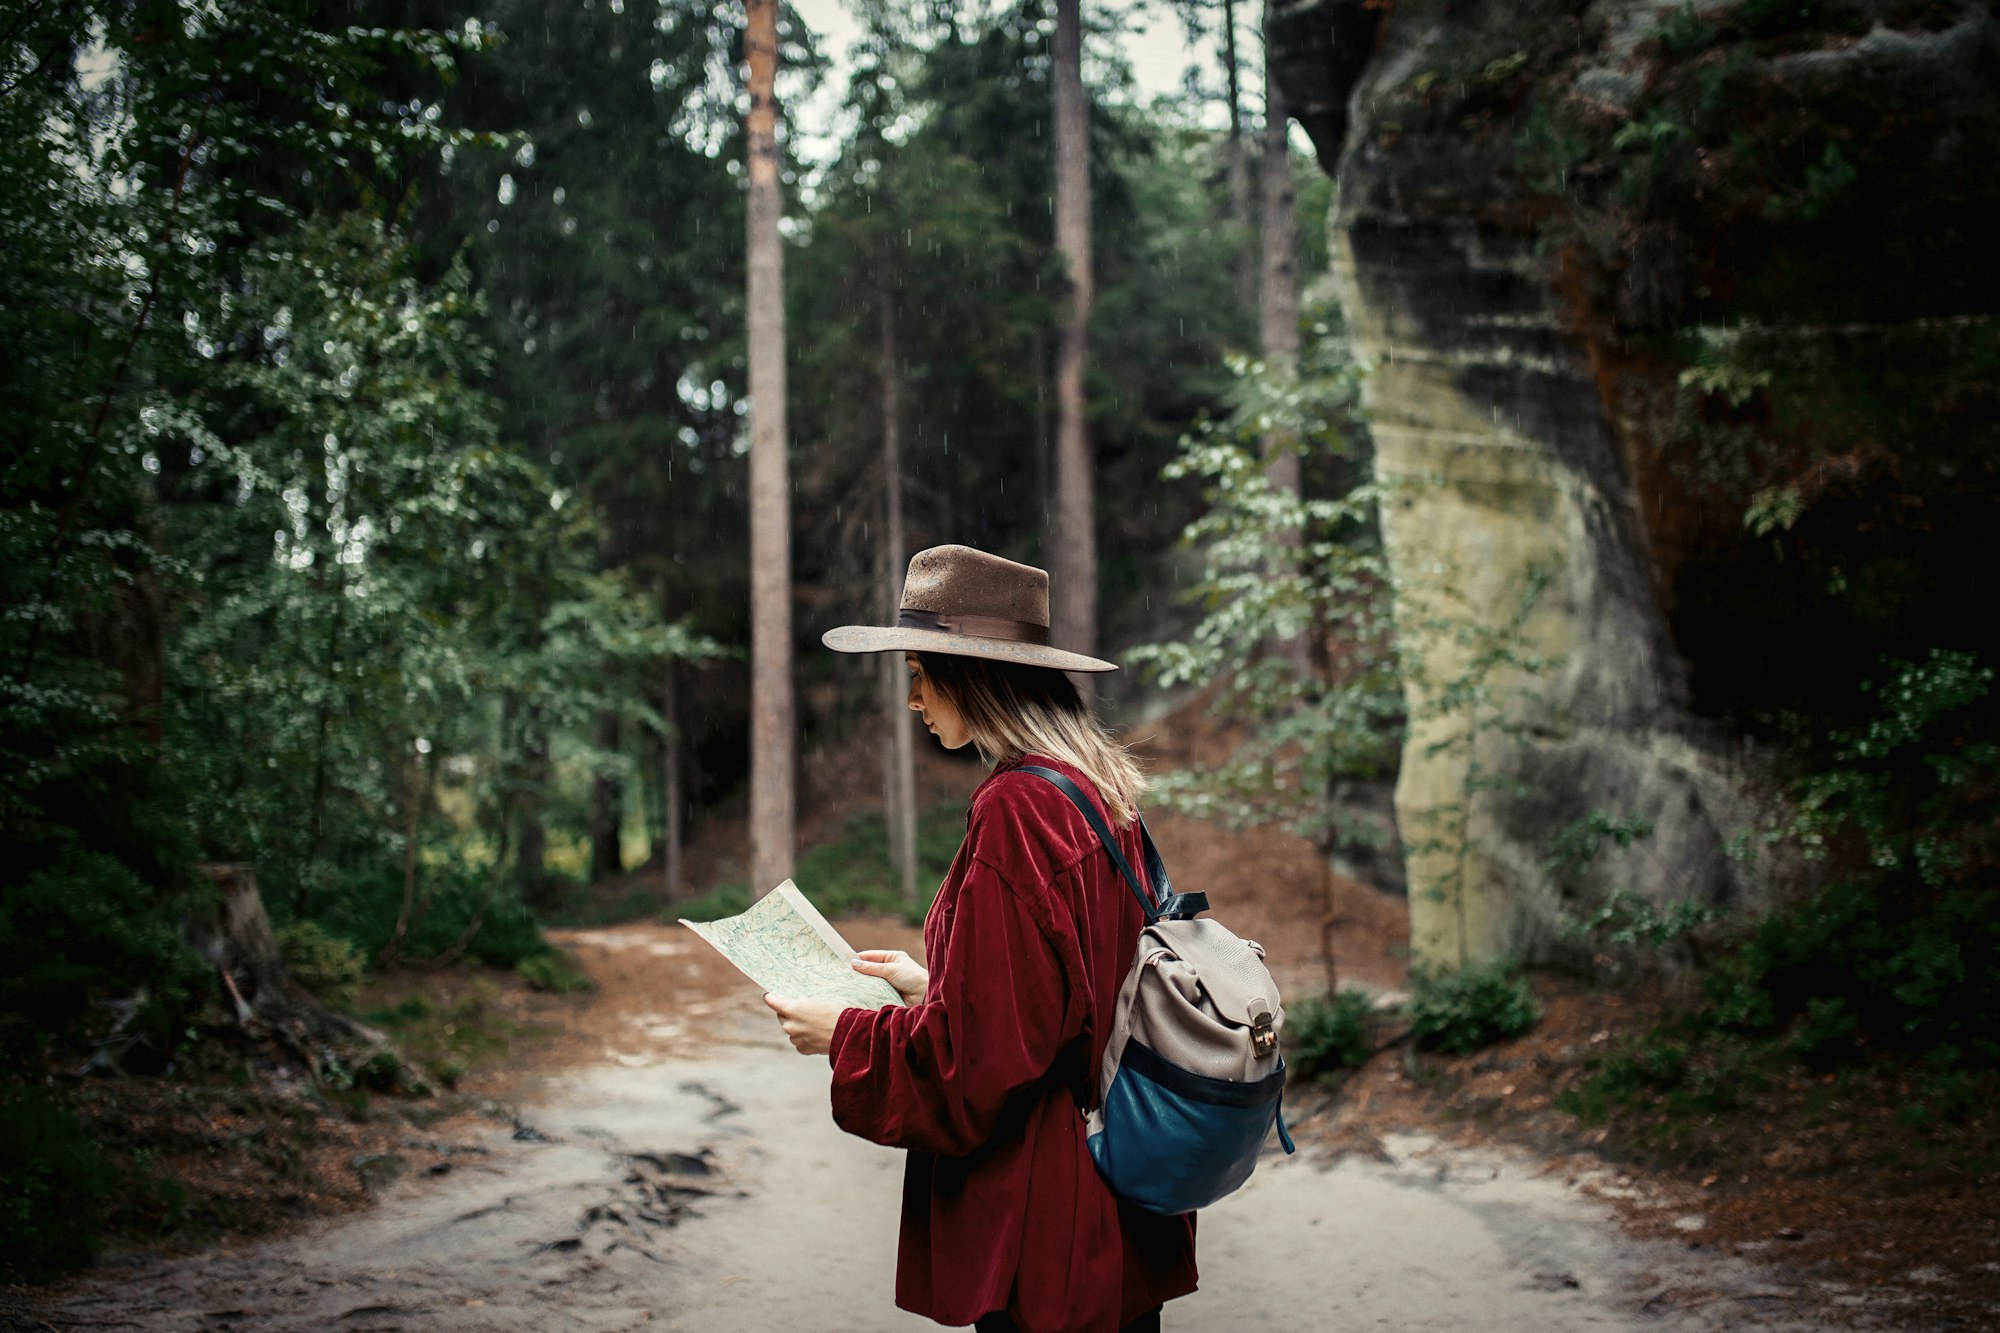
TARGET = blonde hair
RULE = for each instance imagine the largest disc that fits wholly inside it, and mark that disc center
(1013, 711)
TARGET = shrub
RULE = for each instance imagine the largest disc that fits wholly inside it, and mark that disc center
(555, 972)
(54, 1186)
(1458, 1012)
(362, 905)
(1901, 950)
(321, 961)
(1327, 1033)
(83, 926)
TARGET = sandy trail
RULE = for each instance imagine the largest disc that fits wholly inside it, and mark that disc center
(689, 1177)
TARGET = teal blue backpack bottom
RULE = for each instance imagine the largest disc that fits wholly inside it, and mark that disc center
(1173, 1141)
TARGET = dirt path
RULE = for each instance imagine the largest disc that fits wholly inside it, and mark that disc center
(677, 1168)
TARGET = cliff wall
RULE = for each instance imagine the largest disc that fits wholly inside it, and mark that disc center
(1678, 330)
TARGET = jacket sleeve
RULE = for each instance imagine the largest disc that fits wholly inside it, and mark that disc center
(936, 1076)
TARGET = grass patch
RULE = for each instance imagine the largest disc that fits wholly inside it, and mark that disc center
(555, 972)
(451, 1037)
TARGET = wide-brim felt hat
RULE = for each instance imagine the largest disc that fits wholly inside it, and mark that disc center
(968, 603)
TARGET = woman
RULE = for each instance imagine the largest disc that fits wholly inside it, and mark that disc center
(1006, 1224)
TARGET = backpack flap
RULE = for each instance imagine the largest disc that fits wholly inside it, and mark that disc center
(1213, 1007)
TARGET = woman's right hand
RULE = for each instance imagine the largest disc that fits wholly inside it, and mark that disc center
(906, 975)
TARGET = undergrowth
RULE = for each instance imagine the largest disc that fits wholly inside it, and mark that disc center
(55, 1185)
(1327, 1034)
(1459, 1012)
(1889, 970)
(851, 874)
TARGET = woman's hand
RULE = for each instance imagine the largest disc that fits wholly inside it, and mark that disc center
(904, 973)
(808, 1024)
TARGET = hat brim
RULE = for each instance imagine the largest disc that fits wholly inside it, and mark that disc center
(890, 639)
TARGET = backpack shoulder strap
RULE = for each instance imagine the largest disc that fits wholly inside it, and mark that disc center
(1105, 835)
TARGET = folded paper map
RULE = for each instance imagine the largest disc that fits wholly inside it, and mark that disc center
(784, 945)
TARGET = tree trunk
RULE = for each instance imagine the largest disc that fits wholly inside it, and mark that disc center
(607, 807)
(899, 781)
(322, 728)
(670, 784)
(1278, 284)
(1236, 163)
(235, 937)
(1073, 562)
(772, 797)
(1045, 469)
(531, 780)
(1278, 307)
(416, 802)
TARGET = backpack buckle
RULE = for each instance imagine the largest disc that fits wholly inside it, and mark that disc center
(1263, 1031)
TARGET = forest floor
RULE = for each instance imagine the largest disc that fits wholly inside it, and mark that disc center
(651, 1153)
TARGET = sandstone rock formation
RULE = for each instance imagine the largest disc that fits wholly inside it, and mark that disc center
(1545, 213)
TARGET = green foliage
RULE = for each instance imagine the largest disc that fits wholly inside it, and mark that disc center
(246, 479)
(1820, 192)
(1275, 567)
(81, 926)
(851, 875)
(1462, 1011)
(1676, 1072)
(555, 972)
(1902, 950)
(55, 1186)
(723, 900)
(1857, 968)
(934, 220)
(1904, 790)
(1612, 914)
(450, 1034)
(418, 573)
(321, 961)
(1622, 917)
(1325, 1034)
(1895, 959)
(362, 904)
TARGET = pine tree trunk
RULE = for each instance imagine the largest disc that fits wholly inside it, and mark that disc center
(607, 807)
(773, 808)
(1044, 437)
(670, 785)
(530, 876)
(1073, 562)
(1237, 162)
(1278, 305)
(1278, 285)
(899, 781)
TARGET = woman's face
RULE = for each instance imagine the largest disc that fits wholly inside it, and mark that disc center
(943, 720)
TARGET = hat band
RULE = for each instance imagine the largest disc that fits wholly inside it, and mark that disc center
(983, 627)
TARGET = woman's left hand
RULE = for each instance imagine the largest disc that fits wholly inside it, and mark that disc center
(808, 1024)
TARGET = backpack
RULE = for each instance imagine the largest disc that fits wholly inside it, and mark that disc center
(1192, 1079)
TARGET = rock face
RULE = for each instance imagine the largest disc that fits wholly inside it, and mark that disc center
(1539, 206)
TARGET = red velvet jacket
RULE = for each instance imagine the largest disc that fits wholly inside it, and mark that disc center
(1028, 943)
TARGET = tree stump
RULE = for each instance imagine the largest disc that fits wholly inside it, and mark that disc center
(235, 936)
